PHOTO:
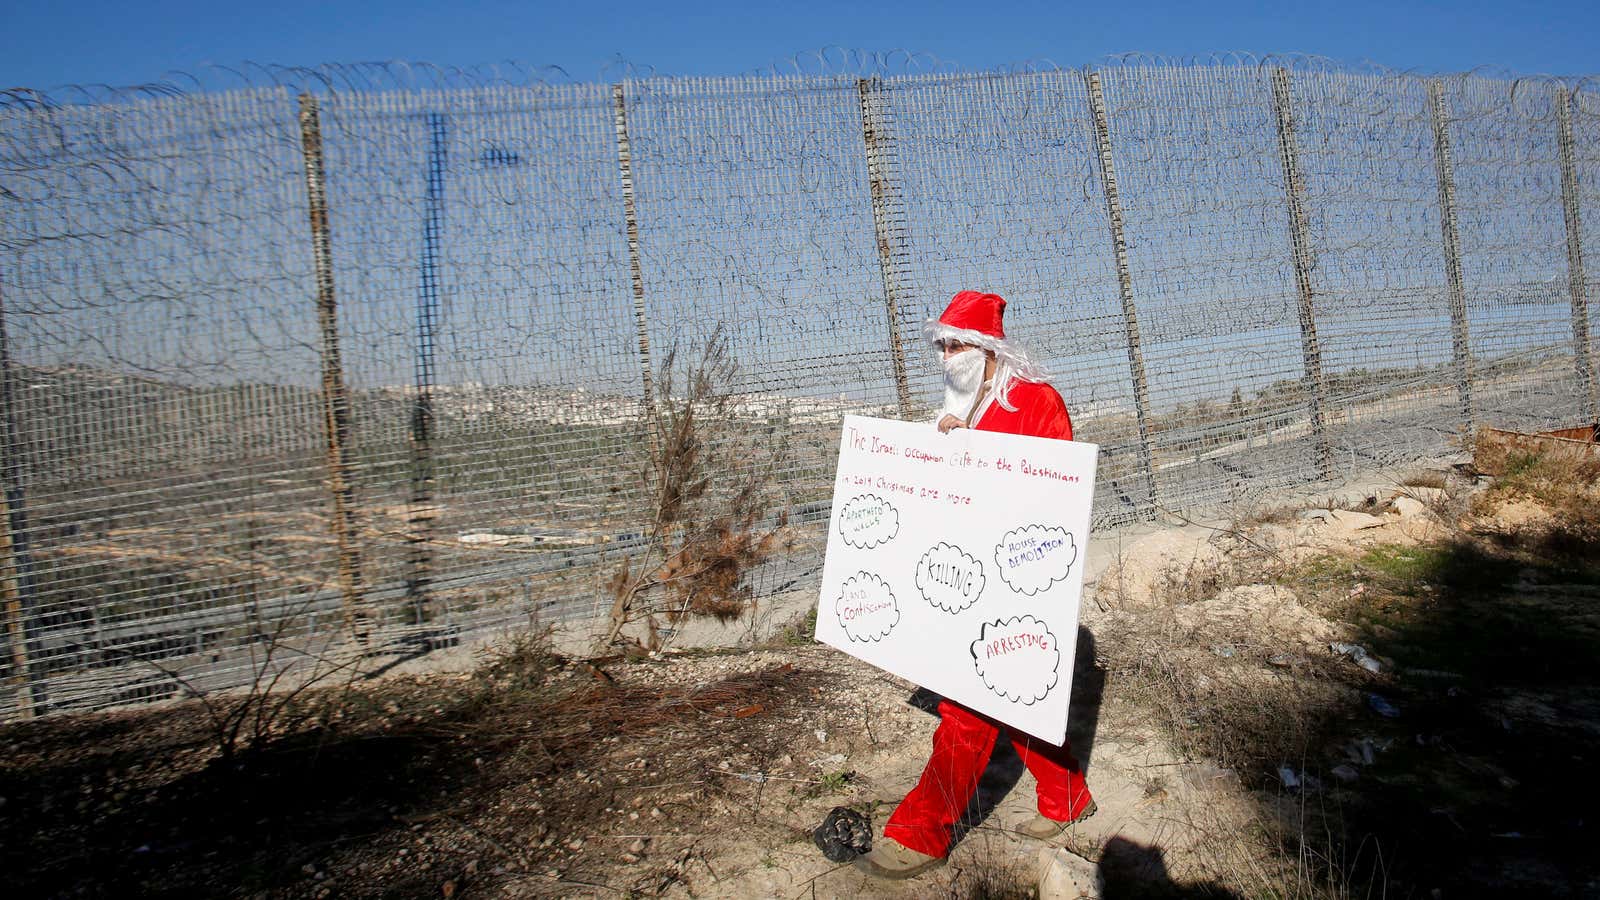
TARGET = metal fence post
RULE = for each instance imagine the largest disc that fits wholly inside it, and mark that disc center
(335, 402)
(1460, 339)
(1130, 315)
(1575, 279)
(419, 518)
(888, 224)
(17, 585)
(641, 324)
(1303, 258)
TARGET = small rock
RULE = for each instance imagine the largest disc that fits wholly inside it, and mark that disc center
(1410, 507)
(1281, 660)
(575, 844)
(637, 846)
(1225, 651)
(655, 812)
(629, 858)
(1065, 876)
(448, 889)
(309, 869)
(822, 735)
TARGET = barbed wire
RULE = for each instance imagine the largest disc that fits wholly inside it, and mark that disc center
(1304, 270)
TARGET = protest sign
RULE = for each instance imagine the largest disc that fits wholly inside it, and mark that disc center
(956, 561)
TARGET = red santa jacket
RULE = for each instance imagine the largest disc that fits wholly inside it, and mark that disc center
(1040, 413)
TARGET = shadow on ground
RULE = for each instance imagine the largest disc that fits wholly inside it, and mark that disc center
(1129, 870)
(1481, 733)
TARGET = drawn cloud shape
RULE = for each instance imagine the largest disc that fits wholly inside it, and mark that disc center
(1033, 558)
(868, 520)
(1017, 658)
(866, 608)
(949, 577)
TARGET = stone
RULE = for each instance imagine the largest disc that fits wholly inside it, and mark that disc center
(1410, 507)
(1064, 876)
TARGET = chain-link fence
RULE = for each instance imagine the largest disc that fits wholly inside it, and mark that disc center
(372, 355)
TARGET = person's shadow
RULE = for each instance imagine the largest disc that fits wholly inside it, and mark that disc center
(1005, 766)
(1129, 870)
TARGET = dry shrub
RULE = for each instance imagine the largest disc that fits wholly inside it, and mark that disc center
(1256, 515)
(709, 506)
(1434, 480)
(1195, 581)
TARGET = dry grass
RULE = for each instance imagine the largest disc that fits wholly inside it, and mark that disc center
(1490, 617)
(1424, 479)
(1567, 488)
(987, 872)
(482, 781)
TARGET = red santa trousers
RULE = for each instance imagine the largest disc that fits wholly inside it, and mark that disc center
(961, 747)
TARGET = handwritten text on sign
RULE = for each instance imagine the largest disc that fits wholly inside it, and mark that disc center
(955, 561)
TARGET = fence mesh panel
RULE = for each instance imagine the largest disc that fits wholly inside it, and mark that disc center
(1302, 272)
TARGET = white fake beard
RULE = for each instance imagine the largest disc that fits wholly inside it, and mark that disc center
(963, 377)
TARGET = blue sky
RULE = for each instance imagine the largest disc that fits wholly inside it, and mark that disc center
(116, 42)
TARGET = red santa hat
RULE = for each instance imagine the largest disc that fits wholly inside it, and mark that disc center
(977, 318)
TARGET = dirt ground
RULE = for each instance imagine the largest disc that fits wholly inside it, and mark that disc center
(1237, 745)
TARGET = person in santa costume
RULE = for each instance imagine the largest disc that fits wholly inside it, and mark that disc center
(990, 385)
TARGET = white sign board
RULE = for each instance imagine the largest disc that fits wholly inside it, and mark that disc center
(956, 561)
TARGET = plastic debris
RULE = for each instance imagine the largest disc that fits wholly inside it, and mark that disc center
(844, 835)
(1358, 654)
(1383, 707)
(1345, 773)
(1282, 660)
(1225, 651)
(1360, 751)
(1299, 780)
